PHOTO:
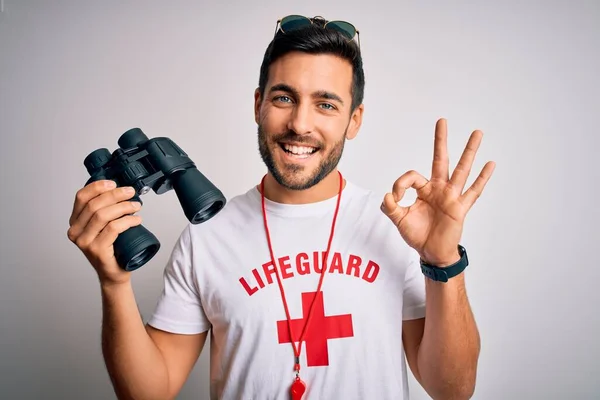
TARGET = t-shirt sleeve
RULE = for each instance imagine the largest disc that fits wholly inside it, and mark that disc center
(414, 289)
(179, 308)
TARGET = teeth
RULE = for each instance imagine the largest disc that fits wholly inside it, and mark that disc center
(299, 150)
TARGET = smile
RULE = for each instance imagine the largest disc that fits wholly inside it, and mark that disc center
(298, 151)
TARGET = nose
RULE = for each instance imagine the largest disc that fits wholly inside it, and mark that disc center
(301, 119)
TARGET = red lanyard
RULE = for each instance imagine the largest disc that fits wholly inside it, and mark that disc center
(299, 387)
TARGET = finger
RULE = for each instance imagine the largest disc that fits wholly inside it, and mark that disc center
(390, 205)
(104, 217)
(472, 194)
(106, 238)
(463, 168)
(87, 193)
(439, 168)
(94, 205)
(392, 209)
(410, 179)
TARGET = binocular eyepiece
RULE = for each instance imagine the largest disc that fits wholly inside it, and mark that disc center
(161, 165)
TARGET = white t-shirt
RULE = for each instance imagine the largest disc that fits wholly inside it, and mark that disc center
(220, 277)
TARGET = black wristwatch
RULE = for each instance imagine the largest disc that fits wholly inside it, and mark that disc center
(442, 274)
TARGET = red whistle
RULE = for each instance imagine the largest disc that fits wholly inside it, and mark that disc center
(298, 389)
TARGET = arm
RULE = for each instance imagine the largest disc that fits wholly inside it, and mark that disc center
(442, 349)
(143, 362)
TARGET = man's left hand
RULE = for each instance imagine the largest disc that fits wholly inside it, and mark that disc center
(433, 224)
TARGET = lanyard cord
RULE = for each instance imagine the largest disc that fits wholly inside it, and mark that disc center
(298, 349)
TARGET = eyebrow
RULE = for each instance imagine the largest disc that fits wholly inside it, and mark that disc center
(320, 94)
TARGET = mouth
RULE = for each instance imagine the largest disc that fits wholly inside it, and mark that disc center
(298, 151)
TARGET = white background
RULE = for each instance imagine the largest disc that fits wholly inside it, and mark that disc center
(74, 75)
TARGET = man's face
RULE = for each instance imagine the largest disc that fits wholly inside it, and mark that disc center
(305, 117)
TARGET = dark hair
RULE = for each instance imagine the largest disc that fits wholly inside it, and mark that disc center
(315, 39)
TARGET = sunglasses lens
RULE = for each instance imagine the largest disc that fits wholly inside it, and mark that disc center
(345, 28)
(292, 22)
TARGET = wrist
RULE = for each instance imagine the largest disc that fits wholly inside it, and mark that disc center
(442, 261)
(110, 286)
(447, 268)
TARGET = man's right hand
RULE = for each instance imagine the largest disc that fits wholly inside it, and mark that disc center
(100, 213)
(143, 362)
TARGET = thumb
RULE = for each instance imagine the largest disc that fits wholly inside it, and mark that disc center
(390, 207)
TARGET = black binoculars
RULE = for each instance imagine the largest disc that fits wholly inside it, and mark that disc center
(161, 165)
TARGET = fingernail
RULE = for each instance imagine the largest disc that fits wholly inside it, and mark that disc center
(384, 208)
(136, 205)
(110, 184)
(129, 190)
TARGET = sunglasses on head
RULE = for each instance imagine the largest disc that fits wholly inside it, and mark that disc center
(292, 22)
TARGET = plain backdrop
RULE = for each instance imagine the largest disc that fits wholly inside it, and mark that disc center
(76, 74)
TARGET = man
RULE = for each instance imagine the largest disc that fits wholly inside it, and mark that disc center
(303, 245)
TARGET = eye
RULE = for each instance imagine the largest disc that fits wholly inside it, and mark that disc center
(284, 99)
(327, 106)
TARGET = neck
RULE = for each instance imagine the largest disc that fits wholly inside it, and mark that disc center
(326, 189)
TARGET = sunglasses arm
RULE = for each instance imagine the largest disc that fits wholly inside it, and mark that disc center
(276, 26)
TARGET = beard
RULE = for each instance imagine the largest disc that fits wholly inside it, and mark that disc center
(293, 176)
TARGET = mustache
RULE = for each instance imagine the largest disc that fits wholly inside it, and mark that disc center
(293, 137)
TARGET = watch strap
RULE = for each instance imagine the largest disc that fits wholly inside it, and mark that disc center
(442, 274)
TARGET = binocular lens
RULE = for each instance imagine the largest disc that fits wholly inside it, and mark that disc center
(141, 258)
(199, 198)
(208, 211)
(135, 247)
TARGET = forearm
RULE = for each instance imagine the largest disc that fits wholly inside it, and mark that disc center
(449, 350)
(135, 365)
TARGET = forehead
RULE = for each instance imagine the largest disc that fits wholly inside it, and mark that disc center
(312, 72)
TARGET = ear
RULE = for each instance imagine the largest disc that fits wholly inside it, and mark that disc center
(257, 102)
(355, 122)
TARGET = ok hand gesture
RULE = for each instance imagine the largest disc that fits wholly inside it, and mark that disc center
(433, 224)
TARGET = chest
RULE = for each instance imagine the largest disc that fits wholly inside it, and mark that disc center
(361, 278)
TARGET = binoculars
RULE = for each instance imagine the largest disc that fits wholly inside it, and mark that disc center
(161, 165)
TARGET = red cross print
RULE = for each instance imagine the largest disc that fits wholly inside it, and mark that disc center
(320, 329)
